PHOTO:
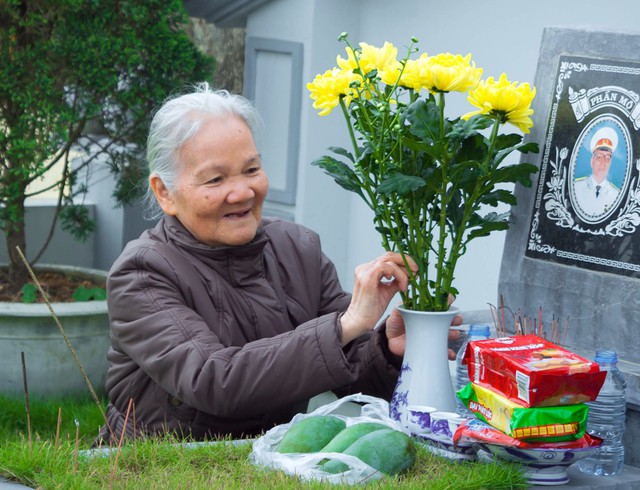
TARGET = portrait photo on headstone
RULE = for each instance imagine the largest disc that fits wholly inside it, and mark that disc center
(587, 204)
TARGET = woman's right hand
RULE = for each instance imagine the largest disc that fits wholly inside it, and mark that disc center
(375, 284)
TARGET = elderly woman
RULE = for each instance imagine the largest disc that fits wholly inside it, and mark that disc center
(225, 322)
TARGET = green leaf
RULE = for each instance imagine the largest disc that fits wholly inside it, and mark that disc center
(472, 149)
(75, 219)
(344, 176)
(524, 148)
(342, 152)
(463, 129)
(465, 174)
(432, 149)
(489, 223)
(28, 293)
(424, 119)
(530, 147)
(99, 294)
(507, 141)
(400, 184)
(82, 293)
(498, 196)
(517, 173)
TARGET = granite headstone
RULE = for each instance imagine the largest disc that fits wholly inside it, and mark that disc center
(572, 253)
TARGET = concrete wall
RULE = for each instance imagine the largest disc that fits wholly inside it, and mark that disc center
(62, 249)
(115, 226)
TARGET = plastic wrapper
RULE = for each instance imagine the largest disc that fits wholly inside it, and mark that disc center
(305, 465)
(558, 423)
(533, 371)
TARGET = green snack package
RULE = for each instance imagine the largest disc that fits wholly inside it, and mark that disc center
(542, 424)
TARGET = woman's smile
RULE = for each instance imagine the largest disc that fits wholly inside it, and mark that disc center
(220, 191)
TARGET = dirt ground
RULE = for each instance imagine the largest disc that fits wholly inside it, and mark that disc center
(58, 286)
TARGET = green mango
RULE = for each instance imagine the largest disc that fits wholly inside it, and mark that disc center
(348, 436)
(311, 434)
(387, 450)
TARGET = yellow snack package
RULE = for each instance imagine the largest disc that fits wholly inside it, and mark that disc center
(550, 424)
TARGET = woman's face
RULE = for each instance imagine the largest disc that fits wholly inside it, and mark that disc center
(221, 186)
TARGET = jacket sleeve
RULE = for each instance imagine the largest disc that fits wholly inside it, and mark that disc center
(154, 331)
(378, 368)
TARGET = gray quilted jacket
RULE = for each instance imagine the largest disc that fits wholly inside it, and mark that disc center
(209, 341)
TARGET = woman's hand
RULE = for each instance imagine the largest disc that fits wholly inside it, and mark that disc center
(375, 284)
(396, 336)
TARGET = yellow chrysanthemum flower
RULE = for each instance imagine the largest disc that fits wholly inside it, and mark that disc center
(327, 88)
(451, 73)
(369, 58)
(390, 73)
(444, 72)
(413, 73)
(507, 100)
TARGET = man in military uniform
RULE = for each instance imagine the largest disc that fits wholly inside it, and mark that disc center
(594, 193)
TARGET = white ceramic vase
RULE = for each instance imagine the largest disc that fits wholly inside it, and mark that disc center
(425, 378)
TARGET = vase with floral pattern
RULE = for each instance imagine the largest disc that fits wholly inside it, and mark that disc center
(424, 378)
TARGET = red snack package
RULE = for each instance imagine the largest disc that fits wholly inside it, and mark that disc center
(475, 431)
(533, 371)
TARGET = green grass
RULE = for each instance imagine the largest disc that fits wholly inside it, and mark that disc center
(43, 417)
(62, 462)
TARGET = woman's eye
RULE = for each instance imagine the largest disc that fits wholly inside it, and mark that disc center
(215, 180)
(253, 170)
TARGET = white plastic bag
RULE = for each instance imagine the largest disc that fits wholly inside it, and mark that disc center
(304, 465)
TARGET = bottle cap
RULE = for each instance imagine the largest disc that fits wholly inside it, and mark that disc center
(479, 330)
(606, 357)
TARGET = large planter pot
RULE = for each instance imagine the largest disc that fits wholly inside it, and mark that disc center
(425, 378)
(50, 366)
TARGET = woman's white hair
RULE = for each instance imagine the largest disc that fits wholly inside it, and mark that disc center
(178, 120)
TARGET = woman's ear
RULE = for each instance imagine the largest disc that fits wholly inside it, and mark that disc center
(163, 195)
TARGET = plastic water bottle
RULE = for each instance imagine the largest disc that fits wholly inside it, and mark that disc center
(475, 332)
(607, 419)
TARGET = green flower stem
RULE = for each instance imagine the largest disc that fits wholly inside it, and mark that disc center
(414, 244)
(470, 205)
(457, 242)
(380, 158)
(352, 135)
(442, 222)
(492, 144)
(369, 184)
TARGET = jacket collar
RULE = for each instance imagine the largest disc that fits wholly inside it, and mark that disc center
(239, 263)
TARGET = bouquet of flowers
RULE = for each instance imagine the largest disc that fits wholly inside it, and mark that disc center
(428, 178)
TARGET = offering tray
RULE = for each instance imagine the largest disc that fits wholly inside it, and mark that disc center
(443, 446)
(546, 466)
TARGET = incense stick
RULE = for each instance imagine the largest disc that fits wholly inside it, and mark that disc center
(525, 325)
(26, 399)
